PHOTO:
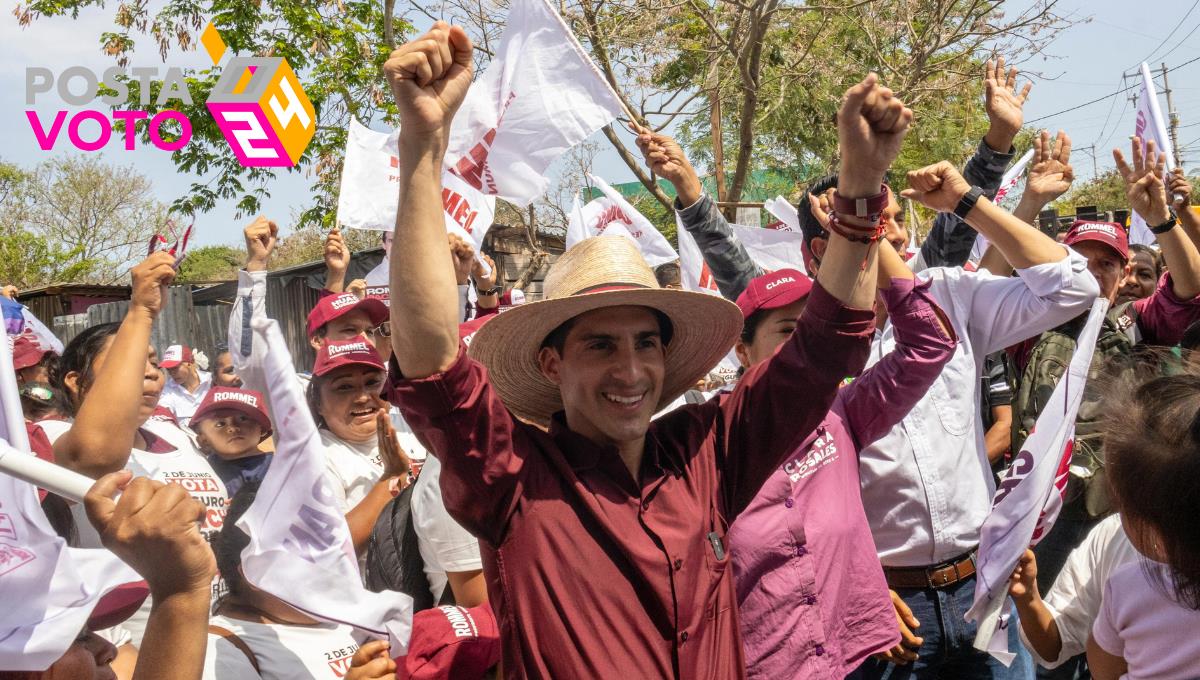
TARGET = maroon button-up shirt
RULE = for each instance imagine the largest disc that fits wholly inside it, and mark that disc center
(594, 574)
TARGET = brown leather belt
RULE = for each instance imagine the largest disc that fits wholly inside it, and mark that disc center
(936, 576)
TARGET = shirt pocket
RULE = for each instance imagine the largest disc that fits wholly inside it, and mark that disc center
(955, 411)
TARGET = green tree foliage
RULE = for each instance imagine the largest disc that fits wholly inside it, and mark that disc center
(28, 261)
(211, 263)
(1106, 191)
(82, 219)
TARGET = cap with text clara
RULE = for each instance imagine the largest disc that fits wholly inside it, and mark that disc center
(774, 290)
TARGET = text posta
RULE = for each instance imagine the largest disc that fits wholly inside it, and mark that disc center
(79, 86)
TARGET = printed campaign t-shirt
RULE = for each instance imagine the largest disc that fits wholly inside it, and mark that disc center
(283, 652)
(174, 461)
(353, 468)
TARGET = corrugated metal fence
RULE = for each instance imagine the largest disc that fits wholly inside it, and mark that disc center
(180, 321)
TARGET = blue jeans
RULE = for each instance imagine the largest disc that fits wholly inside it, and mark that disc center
(947, 652)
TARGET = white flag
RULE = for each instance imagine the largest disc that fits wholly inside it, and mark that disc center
(785, 212)
(369, 193)
(540, 96)
(612, 215)
(771, 249)
(1029, 495)
(300, 549)
(1149, 125)
(1009, 192)
(48, 589)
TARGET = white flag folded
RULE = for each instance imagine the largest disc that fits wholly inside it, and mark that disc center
(540, 96)
(369, 193)
(48, 589)
(300, 549)
(785, 212)
(611, 215)
(1028, 498)
(1149, 125)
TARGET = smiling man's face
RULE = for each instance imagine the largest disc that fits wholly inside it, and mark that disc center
(610, 373)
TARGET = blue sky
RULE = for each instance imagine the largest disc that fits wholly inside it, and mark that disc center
(1088, 61)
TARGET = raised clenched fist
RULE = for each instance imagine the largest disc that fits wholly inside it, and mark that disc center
(429, 78)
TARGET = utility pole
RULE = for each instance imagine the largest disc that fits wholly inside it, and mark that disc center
(1091, 151)
(1172, 120)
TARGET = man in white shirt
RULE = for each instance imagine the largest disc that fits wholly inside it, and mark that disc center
(188, 384)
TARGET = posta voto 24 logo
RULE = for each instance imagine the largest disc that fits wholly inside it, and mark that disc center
(258, 104)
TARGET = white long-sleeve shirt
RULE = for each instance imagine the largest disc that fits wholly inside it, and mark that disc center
(1075, 598)
(927, 485)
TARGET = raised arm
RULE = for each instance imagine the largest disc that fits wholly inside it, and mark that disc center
(950, 240)
(726, 257)
(879, 398)
(832, 336)
(1146, 190)
(106, 423)
(1050, 176)
(429, 79)
(261, 236)
(337, 261)
(1054, 284)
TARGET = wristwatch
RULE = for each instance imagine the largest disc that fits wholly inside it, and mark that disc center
(967, 202)
(494, 290)
(1166, 226)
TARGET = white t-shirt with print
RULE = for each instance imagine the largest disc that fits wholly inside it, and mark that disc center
(283, 652)
(185, 466)
(352, 468)
(444, 544)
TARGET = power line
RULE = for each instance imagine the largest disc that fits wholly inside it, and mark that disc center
(1173, 30)
(1100, 99)
(1168, 53)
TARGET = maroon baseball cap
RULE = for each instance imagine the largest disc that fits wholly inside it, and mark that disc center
(331, 307)
(772, 291)
(117, 605)
(175, 355)
(338, 353)
(1110, 234)
(27, 352)
(249, 402)
(451, 643)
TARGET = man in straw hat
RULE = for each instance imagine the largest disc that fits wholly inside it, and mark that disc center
(603, 534)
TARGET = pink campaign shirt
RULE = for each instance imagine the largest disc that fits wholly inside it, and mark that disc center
(1141, 621)
(809, 585)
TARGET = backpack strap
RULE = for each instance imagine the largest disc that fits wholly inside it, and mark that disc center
(230, 637)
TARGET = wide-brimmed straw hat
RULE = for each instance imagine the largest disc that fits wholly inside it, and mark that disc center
(600, 272)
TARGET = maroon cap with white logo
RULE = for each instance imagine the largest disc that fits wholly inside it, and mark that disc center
(772, 291)
(338, 353)
(451, 643)
(331, 307)
(1110, 234)
(249, 402)
(175, 355)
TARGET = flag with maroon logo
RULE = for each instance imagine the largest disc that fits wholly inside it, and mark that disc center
(1029, 497)
(48, 589)
(540, 96)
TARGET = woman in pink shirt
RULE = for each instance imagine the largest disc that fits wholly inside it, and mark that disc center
(1149, 622)
(810, 588)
